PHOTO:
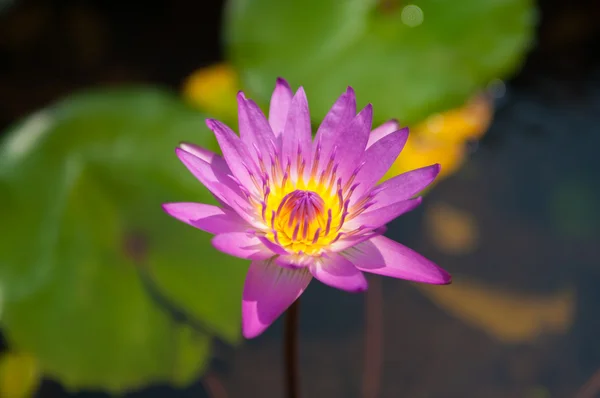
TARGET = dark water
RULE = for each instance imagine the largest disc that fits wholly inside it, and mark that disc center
(528, 263)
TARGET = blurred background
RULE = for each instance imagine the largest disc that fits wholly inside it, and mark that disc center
(102, 294)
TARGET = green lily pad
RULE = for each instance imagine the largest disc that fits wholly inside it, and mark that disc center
(410, 59)
(88, 258)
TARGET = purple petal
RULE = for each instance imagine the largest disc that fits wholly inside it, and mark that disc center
(386, 128)
(297, 138)
(294, 261)
(217, 182)
(386, 257)
(242, 245)
(404, 186)
(351, 142)
(235, 153)
(280, 105)
(337, 271)
(346, 242)
(378, 159)
(274, 247)
(339, 116)
(255, 131)
(382, 215)
(268, 291)
(208, 156)
(209, 218)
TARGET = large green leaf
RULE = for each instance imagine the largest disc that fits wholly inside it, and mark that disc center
(406, 71)
(87, 254)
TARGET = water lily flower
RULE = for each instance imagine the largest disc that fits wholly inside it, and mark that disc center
(299, 207)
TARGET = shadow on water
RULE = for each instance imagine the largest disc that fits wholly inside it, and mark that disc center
(517, 226)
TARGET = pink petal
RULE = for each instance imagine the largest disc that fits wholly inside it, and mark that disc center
(274, 247)
(386, 257)
(293, 261)
(208, 156)
(255, 131)
(209, 218)
(336, 271)
(382, 215)
(235, 153)
(268, 291)
(242, 245)
(386, 128)
(404, 186)
(339, 116)
(217, 182)
(296, 141)
(351, 142)
(280, 105)
(346, 242)
(377, 161)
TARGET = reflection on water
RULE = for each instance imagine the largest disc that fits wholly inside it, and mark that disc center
(509, 316)
(451, 230)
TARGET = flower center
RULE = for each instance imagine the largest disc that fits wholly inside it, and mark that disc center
(300, 215)
(303, 222)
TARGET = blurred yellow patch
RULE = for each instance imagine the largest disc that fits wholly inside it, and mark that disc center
(19, 375)
(420, 153)
(213, 90)
(442, 138)
(469, 122)
(511, 317)
(453, 231)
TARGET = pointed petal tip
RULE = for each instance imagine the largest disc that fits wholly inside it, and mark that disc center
(188, 147)
(250, 332)
(241, 96)
(211, 123)
(350, 94)
(395, 124)
(180, 152)
(184, 155)
(165, 207)
(403, 135)
(444, 278)
(360, 288)
(367, 111)
(301, 91)
(433, 170)
(365, 116)
(282, 82)
(448, 279)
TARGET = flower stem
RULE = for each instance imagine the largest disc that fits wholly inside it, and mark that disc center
(373, 356)
(290, 350)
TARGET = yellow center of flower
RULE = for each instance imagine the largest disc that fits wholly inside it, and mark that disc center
(305, 220)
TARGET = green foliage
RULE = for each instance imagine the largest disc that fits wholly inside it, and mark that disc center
(407, 69)
(81, 187)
